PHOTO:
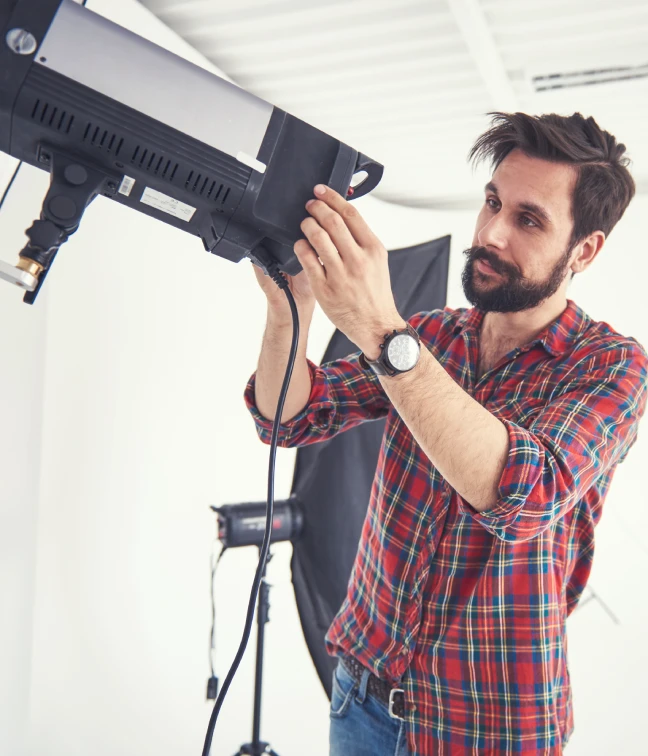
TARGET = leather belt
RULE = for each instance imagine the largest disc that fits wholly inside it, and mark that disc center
(392, 696)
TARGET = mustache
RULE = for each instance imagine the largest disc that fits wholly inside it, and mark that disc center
(481, 253)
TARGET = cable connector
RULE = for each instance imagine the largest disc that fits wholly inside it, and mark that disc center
(278, 277)
(269, 264)
(212, 688)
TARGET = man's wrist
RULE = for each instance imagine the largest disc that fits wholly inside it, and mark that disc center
(370, 346)
(284, 322)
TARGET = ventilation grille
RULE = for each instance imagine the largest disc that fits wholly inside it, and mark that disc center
(154, 163)
(205, 187)
(102, 138)
(147, 160)
(589, 78)
(55, 118)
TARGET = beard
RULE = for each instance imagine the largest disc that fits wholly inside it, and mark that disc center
(510, 291)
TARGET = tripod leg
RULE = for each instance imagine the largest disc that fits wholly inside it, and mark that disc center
(263, 606)
(257, 747)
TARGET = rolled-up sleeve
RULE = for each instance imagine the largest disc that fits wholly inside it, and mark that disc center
(342, 396)
(574, 441)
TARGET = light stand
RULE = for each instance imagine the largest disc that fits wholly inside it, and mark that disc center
(257, 747)
(243, 525)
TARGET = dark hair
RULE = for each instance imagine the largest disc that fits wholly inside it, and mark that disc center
(604, 186)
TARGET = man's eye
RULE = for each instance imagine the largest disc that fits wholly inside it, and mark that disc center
(494, 204)
(528, 222)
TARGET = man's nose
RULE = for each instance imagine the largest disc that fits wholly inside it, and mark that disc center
(493, 233)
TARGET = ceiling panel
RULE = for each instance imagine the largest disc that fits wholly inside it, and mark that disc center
(410, 82)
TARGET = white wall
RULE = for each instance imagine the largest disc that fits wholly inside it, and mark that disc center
(147, 345)
(22, 346)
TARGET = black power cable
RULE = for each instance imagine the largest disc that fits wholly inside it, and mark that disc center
(273, 270)
(9, 185)
(212, 683)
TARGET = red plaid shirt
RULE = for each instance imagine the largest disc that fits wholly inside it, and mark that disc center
(468, 609)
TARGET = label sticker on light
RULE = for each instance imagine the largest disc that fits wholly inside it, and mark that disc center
(251, 162)
(167, 204)
(126, 185)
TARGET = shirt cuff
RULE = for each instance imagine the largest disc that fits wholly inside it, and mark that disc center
(314, 416)
(519, 477)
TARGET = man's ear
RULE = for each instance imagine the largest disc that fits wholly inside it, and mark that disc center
(586, 251)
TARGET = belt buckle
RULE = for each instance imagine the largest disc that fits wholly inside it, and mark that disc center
(392, 701)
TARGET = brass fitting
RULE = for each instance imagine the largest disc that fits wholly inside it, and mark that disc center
(29, 266)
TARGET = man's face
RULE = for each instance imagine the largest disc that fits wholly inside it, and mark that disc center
(520, 254)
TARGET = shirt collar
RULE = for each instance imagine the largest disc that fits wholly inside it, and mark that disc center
(558, 337)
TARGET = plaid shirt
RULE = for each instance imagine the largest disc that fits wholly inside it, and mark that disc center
(467, 609)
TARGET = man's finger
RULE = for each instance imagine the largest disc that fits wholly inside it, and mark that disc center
(334, 224)
(310, 263)
(356, 224)
(321, 242)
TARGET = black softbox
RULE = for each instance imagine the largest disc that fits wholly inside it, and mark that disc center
(332, 480)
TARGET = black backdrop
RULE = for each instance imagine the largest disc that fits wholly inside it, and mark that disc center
(332, 480)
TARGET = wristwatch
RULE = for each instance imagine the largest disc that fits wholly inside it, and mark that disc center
(400, 353)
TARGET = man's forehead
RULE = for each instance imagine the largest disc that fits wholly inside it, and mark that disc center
(536, 181)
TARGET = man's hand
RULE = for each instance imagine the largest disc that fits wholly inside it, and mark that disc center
(347, 268)
(278, 308)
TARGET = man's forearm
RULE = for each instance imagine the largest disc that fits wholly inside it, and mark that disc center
(465, 442)
(272, 368)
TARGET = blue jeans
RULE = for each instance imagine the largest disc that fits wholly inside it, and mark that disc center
(360, 723)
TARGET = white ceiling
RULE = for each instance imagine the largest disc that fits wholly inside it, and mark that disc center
(409, 82)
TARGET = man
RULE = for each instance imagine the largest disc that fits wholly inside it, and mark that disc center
(501, 441)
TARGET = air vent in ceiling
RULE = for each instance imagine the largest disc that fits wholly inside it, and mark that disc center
(55, 118)
(102, 138)
(588, 78)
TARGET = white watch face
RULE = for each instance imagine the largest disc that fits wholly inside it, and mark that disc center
(403, 351)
